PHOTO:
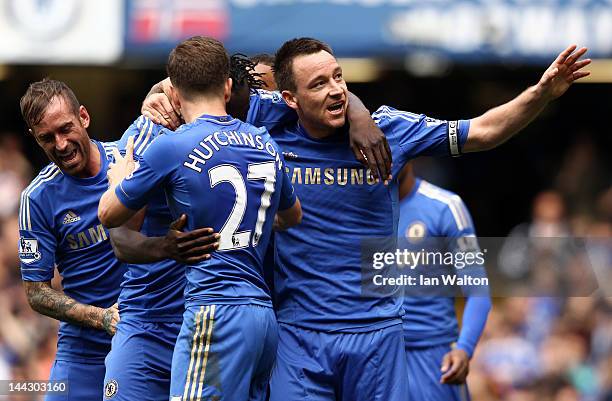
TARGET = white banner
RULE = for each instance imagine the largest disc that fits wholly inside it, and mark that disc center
(61, 31)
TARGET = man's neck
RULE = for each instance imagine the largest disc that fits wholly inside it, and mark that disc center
(317, 131)
(93, 163)
(406, 185)
(191, 110)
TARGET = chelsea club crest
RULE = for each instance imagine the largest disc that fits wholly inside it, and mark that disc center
(416, 232)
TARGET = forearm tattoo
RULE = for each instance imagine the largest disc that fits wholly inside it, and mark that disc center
(52, 303)
(107, 320)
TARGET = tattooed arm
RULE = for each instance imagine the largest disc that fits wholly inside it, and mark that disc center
(47, 301)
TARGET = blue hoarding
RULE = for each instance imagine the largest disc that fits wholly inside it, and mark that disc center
(464, 30)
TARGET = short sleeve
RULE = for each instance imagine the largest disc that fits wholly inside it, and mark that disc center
(144, 132)
(456, 219)
(268, 109)
(419, 135)
(287, 195)
(37, 242)
(152, 170)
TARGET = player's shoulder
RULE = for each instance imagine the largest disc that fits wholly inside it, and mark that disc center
(144, 131)
(108, 149)
(387, 113)
(40, 192)
(442, 197)
(447, 202)
(395, 123)
(247, 126)
(48, 176)
(267, 96)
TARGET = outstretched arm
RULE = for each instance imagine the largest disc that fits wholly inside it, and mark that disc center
(500, 123)
(49, 302)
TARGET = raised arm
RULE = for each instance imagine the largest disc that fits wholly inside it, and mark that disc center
(500, 123)
(49, 302)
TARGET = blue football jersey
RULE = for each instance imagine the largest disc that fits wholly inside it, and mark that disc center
(154, 291)
(268, 109)
(319, 282)
(59, 226)
(431, 216)
(224, 174)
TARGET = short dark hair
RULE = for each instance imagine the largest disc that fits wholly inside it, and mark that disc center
(263, 58)
(283, 63)
(38, 96)
(198, 66)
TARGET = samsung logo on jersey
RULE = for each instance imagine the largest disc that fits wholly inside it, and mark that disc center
(331, 176)
(213, 143)
(86, 238)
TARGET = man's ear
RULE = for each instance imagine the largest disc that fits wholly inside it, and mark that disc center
(227, 90)
(84, 117)
(290, 99)
(174, 99)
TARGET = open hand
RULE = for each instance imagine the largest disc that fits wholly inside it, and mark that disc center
(371, 148)
(566, 69)
(158, 108)
(192, 246)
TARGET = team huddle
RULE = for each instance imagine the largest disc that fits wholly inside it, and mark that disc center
(214, 251)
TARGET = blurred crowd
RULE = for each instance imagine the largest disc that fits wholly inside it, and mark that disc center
(534, 348)
(554, 348)
(27, 339)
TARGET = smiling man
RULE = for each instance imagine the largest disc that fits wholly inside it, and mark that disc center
(58, 224)
(335, 341)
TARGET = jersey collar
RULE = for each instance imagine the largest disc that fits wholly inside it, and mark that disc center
(223, 120)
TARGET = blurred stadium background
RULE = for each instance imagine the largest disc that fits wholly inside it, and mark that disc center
(445, 58)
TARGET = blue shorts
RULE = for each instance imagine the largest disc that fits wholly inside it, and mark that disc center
(424, 367)
(224, 351)
(138, 365)
(321, 366)
(85, 380)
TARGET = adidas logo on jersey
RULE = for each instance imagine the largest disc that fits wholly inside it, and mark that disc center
(290, 155)
(71, 217)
